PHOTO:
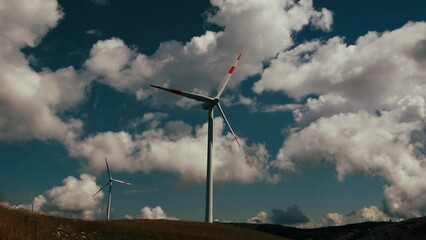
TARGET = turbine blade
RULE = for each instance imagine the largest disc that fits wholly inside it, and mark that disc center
(194, 96)
(109, 173)
(232, 131)
(100, 189)
(227, 77)
(120, 181)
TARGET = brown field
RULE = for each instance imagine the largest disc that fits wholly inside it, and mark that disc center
(19, 224)
(411, 229)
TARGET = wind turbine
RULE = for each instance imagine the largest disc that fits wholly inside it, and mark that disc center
(208, 104)
(110, 180)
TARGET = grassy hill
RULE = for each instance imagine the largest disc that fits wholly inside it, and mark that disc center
(18, 224)
(410, 229)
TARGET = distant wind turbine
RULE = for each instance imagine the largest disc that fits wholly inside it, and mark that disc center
(208, 104)
(110, 180)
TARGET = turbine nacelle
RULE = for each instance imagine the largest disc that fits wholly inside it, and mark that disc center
(209, 104)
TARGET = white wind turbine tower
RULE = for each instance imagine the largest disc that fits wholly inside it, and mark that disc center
(208, 104)
(110, 180)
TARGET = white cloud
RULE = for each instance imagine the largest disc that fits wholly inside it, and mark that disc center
(28, 112)
(30, 101)
(259, 218)
(74, 197)
(375, 72)
(365, 143)
(232, 100)
(108, 57)
(149, 119)
(202, 44)
(153, 119)
(333, 219)
(154, 213)
(120, 66)
(75, 194)
(366, 214)
(5, 204)
(323, 106)
(24, 23)
(280, 107)
(323, 20)
(94, 32)
(260, 28)
(250, 27)
(183, 152)
(370, 114)
(66, 88)
(38, 203)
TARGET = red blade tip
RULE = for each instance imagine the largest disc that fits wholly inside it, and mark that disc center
(231, 70)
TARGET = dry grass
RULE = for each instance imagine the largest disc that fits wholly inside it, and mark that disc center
(412, 229)
(16, 224)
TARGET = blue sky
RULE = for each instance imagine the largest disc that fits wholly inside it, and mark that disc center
(328, 99)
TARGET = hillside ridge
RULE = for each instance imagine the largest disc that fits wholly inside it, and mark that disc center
(20, 224)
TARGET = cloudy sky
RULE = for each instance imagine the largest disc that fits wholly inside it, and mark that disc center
(328, 100)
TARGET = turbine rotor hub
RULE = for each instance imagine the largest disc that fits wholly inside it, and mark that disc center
(210, 104)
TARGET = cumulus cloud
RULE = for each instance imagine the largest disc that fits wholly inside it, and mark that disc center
(260, 217)
(369, 116)
(365, 143)
(292, 215)
(251, 27)
(25, 23)
(366, 214)
(153, 119)
(119, 66)
(368, 72)
(35, 206)
(26, 111)
(322, 20)
(232, 100)
(38, 203)
(181, 152)
(150, 120)
(154, 213)
(73, 199)
(261, 28)
(75, 194)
